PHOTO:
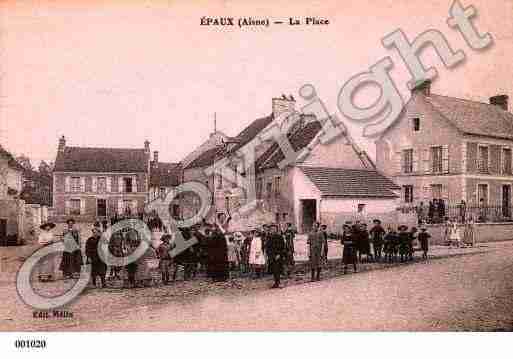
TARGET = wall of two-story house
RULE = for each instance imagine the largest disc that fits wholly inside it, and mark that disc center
(423, 153)
(488, 170)
(86, 196)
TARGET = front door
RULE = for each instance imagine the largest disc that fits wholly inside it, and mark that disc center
(506, 200)
(101, 209)
(3, 228)
(309, 214)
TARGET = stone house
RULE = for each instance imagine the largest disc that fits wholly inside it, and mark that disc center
(12, 212)
(452, 149)
(332, 183)
(294, 193)
(164, 177)
(97, 183)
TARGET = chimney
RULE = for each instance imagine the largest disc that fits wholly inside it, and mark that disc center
(156, 157)
(283, 104)
(62, 144)
(147, 146)
(422, 86)
(500, 100)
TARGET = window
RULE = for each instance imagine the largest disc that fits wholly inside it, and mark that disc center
(361, 207)
(75, 184)
(220, 180)
(277, 218)
(277, 185)
(408, 193)
(483, 158)
(408, 161)
(436, 191)
(127, 182)
(437, 159)
(259, 187)
(482, 193)
(416, 124)
(506, 160)
(74, 207)
(128, 207)
(176, 211)
(285, 217)
(269, 188)
(101, 185)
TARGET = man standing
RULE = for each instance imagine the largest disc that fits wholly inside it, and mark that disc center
(377, 234)
(290, 233)
(98, 267)
(276, 251)
(72, 255)
(324, 230)
(316, 246)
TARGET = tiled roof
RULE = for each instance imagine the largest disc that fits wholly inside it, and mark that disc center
(165, 174)
(11, 160)
(341, 182)
(298, 140)
(243, 138)
(476, 118)
(250, 132)
(87, 159)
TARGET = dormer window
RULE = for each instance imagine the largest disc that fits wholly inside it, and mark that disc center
(416, 124)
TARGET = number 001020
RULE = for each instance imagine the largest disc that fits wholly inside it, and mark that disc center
(30, 343)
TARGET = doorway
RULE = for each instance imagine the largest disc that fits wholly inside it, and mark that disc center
(101, 207)
(506, 200)
(309, 210)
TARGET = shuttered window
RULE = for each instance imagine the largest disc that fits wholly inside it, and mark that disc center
(506, 161)
(408, 193)
(74, 207)
(407, 161)
(483, 159)
(75, 184)
(437, 159)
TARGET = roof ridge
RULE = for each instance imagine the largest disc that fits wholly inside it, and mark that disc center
(106, 148)
(466, 100)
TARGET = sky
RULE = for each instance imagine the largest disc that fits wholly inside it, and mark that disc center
(115, 73)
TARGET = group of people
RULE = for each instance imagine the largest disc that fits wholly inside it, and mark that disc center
(390, 245)
(219, 253)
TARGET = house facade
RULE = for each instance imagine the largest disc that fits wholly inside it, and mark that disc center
(98, 183)
(295, 193)
(12, 209)
(452, 149)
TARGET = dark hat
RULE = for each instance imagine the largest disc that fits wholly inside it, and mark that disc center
(401, 227)
(47, 225)
(166, 237)
(97, 224)
(378, 221)
(70, 220)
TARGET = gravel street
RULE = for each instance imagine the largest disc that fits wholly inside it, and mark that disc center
(456, 289)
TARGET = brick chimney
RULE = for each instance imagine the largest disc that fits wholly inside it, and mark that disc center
(156, 157)
(62, 144)
(500, 100)
(147, 146)
(422, 86)
(283, 104)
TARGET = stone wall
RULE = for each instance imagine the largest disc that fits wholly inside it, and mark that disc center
(486, 232)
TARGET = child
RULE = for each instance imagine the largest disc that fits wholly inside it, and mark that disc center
(389, 240)
(424, 241)
(404, 240)
(166, 261)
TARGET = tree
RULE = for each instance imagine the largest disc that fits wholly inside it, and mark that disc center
(45, 169)
(24, 161)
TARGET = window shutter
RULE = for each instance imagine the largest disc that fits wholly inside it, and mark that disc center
(134, 184)
(445, 193)
(109, 184)
(82, 184)
(67, 184)
(120, 206)
(94, 186)
(82, 206)
(445, 158)
(427, 160)
(120, 184)
(398, 162)
(415, 163)
(67, 205)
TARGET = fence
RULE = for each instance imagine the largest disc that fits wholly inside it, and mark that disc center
(460, 212)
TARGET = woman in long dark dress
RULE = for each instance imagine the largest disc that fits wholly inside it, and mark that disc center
(72, 256)
(349, 253)
(217, 263)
